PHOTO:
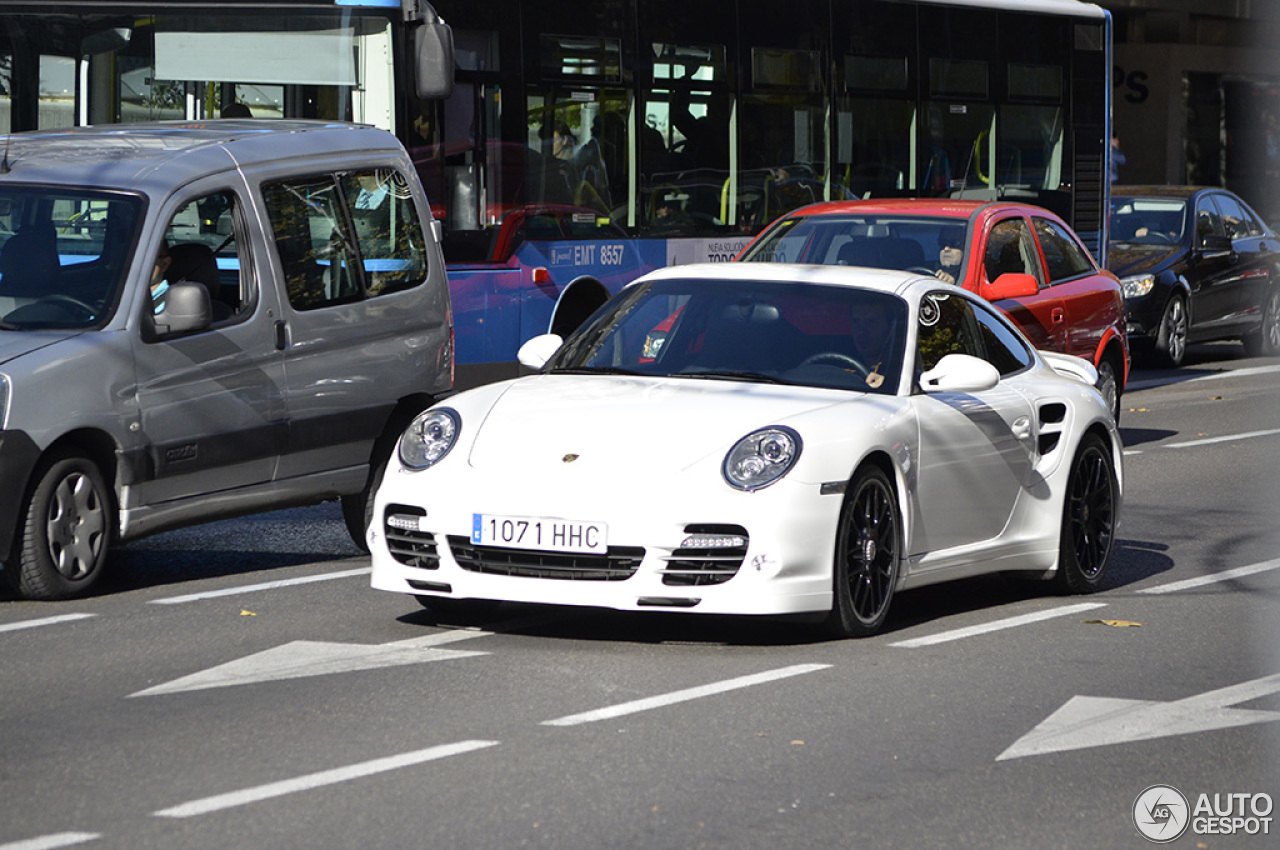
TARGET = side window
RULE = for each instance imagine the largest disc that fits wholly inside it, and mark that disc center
(947, 326)
(1237, 222)
(315, 248)
(1062, 255)
(201, 245)
(1004, 348)
(1208, 222)
(393, 251)
(1010, 249)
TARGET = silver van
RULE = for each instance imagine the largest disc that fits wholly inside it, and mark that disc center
(199, 321)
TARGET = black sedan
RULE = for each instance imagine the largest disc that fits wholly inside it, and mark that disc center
(1196, 264)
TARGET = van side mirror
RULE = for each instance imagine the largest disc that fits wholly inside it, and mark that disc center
(187, 308)
(1011, 285)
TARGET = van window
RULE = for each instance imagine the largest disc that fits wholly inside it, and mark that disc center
(392, 249)
(202, 248)
(342, 238)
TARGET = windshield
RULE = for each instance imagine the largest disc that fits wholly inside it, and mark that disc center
(916, 243)
(812, 335)
(1148, 221)
(63, 255)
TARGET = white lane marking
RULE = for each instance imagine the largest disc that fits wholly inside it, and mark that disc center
(304, 658)
(684, 696)
(1223, 439)
(318, 780)
(44, 621)
(1225, 575)
(254, 588)
(51, 842)
(1084, 722)
(1009, 623)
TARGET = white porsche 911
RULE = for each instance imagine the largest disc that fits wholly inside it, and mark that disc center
(758, 439)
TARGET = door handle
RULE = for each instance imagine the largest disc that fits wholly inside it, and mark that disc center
(282, 335)
(1058, 315)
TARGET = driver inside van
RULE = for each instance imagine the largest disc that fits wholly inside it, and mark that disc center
(160, 286)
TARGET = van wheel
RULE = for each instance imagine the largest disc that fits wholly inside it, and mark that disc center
(357, 509)
(65, 533)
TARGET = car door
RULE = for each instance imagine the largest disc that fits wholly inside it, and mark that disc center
(976, 449)
(1009, 248)
(211, 404)
(1254, 249)
(1214, 273)
(1090, 299)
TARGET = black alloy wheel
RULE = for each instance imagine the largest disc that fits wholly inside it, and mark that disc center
(867, 556)
(1088, 518)
(1266, 340)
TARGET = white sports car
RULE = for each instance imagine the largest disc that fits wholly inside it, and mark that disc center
(758, 439)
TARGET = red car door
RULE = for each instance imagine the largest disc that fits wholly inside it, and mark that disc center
(1007, 247)
(1090, 298)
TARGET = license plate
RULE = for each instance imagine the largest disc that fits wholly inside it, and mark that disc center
(543, 533)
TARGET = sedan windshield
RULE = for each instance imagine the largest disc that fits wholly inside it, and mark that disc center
(63, 255)
(784, 333)
(905, 243)
(1148, 221)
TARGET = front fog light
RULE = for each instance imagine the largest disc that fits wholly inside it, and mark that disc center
(429, 438)
(761, 458)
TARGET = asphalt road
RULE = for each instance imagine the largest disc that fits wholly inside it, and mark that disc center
(239, 685)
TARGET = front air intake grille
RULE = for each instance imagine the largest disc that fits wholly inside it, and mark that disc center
(618, 564)
(703, 565)
(407, 544)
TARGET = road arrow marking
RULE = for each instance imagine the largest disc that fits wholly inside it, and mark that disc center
(303, 658)
(1097, 722)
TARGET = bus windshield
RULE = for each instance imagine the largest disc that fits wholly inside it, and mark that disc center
(250, 61)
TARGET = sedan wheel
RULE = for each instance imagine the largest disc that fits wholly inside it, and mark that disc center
(1172, 339)
(867, 556)
(65, 532)
(1088, 518)
(1266, 340)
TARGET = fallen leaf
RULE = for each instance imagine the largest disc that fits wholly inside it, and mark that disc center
(247, 614)
(1119, 624)
(1215, 398)
(797, 743)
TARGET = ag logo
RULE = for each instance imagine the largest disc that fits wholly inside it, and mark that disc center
(1161, 814)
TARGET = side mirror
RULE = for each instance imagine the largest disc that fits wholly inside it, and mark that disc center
(1011, 285)
(960, 373)
(537, 351)
(187, 308)
(1216, 246)
(433, 60)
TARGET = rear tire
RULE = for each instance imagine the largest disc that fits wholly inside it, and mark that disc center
(1266, 340)
(65, 532)
(867, 558)
(1088, 518)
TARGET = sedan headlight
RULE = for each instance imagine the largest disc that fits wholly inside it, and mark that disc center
(429, 437)
(761, 458)
(1138, 285)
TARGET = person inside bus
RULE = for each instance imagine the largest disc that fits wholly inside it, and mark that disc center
(563, 142)
(950, 254)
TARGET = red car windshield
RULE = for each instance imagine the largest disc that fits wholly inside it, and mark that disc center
(917, 243)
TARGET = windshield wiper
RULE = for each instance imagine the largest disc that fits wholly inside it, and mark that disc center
(593, 370)
(732, 375)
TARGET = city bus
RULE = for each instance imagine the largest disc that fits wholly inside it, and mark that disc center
(569, 147)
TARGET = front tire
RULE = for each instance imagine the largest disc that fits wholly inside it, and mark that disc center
(1171, 341)
(1109, 386)
(867, 557)
(66, 531)
(1088, 518)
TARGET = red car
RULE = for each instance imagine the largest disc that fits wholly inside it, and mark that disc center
(1021, 257)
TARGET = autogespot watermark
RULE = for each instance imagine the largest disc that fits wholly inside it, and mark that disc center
(1162, 814)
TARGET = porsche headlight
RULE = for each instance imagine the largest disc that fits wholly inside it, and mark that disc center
(761, 458)
(429, 438)
(1138, 285)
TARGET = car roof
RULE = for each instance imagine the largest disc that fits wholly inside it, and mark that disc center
(938, 207)
(154, 157)
(883, 280)
(1161, 191)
